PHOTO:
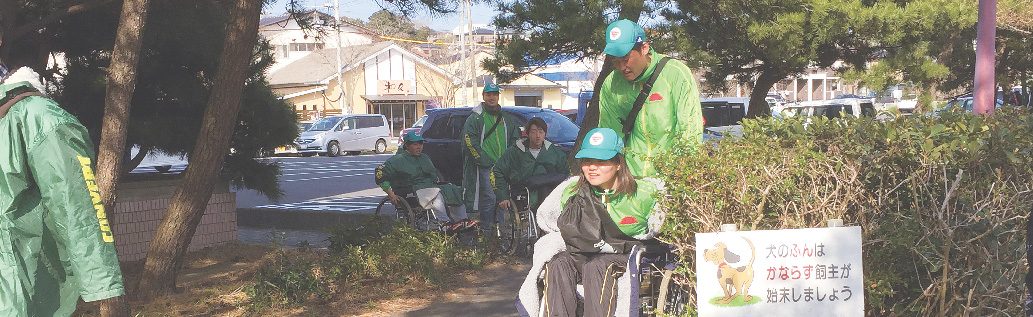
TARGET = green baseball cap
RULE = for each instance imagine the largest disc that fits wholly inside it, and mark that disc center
(600, 144)
(491, 87)
(621, 37)
(411, 136)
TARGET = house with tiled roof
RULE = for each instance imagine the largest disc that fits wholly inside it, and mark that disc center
(381, 78)
(291, 41)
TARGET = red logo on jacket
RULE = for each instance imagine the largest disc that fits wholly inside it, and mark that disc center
(629, 220)
(655, 97)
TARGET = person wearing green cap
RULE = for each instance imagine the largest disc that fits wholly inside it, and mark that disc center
(600, 215)
(56, 243)
(411, 171)
(487, 134)
(670, 110)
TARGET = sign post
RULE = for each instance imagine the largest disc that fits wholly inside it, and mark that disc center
(803, 272)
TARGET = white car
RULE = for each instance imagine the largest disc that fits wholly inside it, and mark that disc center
(352, 133)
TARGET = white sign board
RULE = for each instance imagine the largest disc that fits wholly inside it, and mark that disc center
(801, 272)
(393, 87)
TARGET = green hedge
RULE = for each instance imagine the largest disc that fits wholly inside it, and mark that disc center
(942, 201)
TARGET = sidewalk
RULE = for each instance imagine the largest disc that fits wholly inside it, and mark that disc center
(489, 292)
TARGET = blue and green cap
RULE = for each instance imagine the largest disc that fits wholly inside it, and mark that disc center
(411, 136)
(621, 37)
(600, 144)
(491, 87)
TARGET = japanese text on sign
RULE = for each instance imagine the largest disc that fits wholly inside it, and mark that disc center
(807, 272)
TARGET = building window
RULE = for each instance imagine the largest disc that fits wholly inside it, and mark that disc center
(304, 47)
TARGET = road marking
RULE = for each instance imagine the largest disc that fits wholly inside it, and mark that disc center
(349, 204)
(330, 171)
(327, 177)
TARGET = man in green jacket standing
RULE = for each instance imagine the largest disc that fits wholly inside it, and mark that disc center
(486, 135)
(56, 243)
(670, 112)
(530, 156)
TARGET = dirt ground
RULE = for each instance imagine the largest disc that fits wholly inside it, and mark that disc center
(212, 283)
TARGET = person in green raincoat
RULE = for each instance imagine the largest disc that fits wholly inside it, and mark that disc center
(487, 133)
(530, 156)
(411, 171)
(671, 111)
(56, 244)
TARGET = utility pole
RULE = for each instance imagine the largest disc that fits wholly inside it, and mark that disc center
(984, 95)
(340, 79)
(473, 54)
(462, 62)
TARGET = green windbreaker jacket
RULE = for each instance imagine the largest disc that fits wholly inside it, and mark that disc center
(517, 164)
(671, 112)
(474, 157)
(631, 213)
(405, 173)
(55, 240)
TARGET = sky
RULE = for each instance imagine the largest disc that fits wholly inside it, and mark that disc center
(362, 9)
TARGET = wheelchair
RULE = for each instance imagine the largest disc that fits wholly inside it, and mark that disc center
(409, 211)
(661, 290)
(657, 289)
(518, 229)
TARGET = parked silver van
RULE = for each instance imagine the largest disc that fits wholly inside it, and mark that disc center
(349, 133)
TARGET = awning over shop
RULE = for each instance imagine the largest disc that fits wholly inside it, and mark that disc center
(396, 98)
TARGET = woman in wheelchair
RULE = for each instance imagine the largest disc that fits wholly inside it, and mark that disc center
(599, 217)
(532, 162)
(411, 171)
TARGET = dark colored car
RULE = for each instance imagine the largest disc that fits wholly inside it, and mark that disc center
(415, 127)
(443, 129)
(966, 102)
(570, 114)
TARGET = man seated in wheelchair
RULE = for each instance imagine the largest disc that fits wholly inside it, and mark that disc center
(592, 221)
(411, 171)
(533, 163)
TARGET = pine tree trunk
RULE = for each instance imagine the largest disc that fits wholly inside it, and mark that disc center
(121, 84)
(759, 107)
(169, 244)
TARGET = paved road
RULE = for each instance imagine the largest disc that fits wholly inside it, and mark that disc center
(334, 184)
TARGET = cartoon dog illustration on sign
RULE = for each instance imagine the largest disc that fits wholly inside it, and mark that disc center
(737, 278)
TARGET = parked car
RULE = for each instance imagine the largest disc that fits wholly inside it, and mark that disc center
(349, 133)
(570, 114)
(836, 108)
(304, 125)
(965, 102)
(415, 127)
(444, 127)
(908, 104)
(723, 111)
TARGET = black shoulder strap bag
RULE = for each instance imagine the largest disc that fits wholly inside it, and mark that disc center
(629, 121)
(14, 96)
(496, 125)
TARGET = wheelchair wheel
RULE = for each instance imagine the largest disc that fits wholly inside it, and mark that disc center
(400, 212)
(423, 219)
(673, 295)
(508, 231)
